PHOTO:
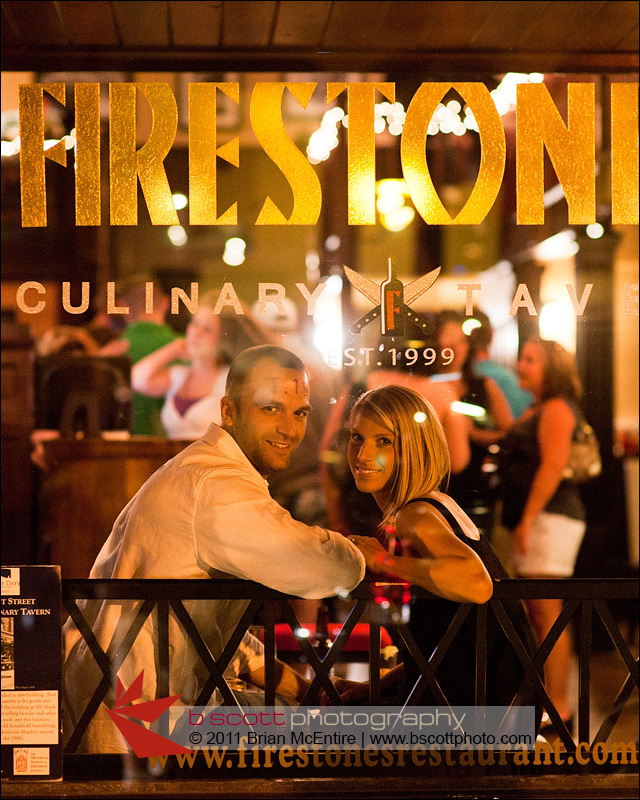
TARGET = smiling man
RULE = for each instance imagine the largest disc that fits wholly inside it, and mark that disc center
(267, 406)
(208, 513)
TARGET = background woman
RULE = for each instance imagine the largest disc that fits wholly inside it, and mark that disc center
(193, 390)
(468, 486)
(545, 512)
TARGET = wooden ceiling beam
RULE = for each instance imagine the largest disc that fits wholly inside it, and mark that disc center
(434, 64)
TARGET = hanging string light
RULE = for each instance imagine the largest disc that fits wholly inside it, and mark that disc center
(448, 118)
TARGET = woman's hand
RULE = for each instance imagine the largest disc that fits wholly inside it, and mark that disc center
(151, 376)
(116, 347)
(373, 552)
(38, 456)
(178, 350)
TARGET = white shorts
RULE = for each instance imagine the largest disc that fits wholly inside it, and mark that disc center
(554, 544)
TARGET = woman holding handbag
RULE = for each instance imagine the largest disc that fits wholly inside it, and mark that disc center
(541, 505)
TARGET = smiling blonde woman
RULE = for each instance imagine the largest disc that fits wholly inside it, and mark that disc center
(397, 452)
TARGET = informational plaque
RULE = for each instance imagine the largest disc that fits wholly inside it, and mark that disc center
(31, 674)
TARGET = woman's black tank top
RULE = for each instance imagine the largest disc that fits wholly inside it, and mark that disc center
(430, 619)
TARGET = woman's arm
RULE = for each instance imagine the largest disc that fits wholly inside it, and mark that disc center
(152, 374)
(445, 566)
(555, 431)
(457, 430)
(500, 413)
(457, 427)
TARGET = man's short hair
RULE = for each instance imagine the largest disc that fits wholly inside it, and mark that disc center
(243, 363)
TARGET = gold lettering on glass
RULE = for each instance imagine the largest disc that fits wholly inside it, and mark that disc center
(33, 194)
(112, 308)
(128, 164)
(66, 298)
(148, 297)
(266, 120)
(579, 305)
(271, 293)
(361, 146)
(522, 299)
(228, 297)
(87, 101)
(203, 151)
(311, 297)
(539, 126)
(469, 289)
(414, 161)
(21, 301)
(624, 153)
(191, 302)
(571, 148)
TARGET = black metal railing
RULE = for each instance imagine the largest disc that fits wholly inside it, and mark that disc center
(585, 600)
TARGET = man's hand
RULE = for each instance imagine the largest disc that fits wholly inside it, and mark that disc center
(373, 552)
(351, 692)
(356, 693)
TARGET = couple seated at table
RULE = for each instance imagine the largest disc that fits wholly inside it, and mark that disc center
(207, 513)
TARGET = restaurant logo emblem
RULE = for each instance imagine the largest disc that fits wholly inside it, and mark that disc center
(393, 300)
(143, 742)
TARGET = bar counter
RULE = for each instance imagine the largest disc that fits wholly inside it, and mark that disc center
(86, 485)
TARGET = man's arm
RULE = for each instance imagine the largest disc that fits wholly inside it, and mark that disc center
(356, 692)
(242, 531)
(248, 664)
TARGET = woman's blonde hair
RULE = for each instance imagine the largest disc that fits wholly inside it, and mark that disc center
(421, 453)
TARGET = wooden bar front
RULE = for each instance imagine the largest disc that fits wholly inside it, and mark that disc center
(88, 483)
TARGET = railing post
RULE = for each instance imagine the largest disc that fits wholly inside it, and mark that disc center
(374, 656)
(162, 672)
(481, 654)
(584, 671)
(269, 652)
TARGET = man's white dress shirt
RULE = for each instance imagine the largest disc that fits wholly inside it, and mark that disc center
(205, 512)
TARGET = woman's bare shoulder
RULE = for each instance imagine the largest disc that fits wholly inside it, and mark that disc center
(420, 512)
(557, 408)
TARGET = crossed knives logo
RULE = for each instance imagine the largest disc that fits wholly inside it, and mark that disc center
(143, 742)
(393, 299)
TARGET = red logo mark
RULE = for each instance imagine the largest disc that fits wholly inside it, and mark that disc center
(143, 742)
